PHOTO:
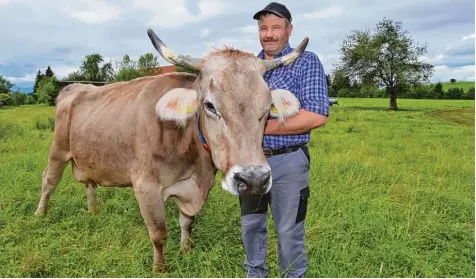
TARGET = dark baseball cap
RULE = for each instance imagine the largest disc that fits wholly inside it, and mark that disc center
(276, 9)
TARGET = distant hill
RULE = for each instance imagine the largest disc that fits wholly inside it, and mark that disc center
(460, 84)
(26, 90)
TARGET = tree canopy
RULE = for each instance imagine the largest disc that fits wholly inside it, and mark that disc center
(388, 57)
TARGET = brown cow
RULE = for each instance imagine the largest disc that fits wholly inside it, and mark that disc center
(167, 135)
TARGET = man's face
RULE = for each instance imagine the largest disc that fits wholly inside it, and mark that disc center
(273, 34)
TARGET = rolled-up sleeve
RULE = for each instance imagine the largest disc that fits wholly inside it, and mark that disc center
(313, 93)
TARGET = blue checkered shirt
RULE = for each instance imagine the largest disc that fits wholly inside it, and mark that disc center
(306, 79)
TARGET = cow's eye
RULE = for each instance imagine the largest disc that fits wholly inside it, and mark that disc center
(209, 106)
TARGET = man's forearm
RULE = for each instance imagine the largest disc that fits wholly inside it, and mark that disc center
(303, 122)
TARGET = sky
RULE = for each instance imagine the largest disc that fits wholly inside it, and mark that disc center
(36, 34)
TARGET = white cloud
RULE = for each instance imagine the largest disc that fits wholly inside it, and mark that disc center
(204, 32)
(333, 11)
(25, 78)
(172, 14)
(4, 2)
(444, 73)
(468, 37)
(250, 29)
(92, 11)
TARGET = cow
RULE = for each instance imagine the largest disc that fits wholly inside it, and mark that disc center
(166, 136)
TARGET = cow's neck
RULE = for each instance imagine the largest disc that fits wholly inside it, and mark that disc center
(200, 135)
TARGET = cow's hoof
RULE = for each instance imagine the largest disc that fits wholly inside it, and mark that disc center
(159, 268)
(93, 209)
(185, 247)
(40, 212)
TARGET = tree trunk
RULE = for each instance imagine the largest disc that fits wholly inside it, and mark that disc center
(393, 98)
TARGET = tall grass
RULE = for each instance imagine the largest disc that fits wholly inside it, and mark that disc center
(392, 195)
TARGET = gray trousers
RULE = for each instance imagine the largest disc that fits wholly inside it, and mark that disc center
(287, 200)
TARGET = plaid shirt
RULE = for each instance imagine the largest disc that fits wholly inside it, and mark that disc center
(306, 79)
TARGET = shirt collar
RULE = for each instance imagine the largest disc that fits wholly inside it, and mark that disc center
(287, 49)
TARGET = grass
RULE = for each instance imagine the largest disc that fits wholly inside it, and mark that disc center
(459, 84)
(392, 195)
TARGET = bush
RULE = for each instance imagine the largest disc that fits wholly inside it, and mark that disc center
(470, 94)
(49, 124)
(19, 98)
(421, 92)
(30, 100)
(6, 100)
(344, 92)
(454, 93)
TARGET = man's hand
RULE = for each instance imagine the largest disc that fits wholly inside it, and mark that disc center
(301, 123)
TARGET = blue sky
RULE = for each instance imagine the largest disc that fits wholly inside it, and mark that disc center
(36, 34)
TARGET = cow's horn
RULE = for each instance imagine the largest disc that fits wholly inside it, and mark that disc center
(288, 58)
(171, 56)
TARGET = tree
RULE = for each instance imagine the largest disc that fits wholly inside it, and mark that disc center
(388, 56)
(47, 91)
(90, 67)
(5, 85)
(39, 76)
(126, 70)
(470, 94)
(438, 90)
(146, 64)
(452, 80)
(75, 76)
(49, 72)
(91, 70)
(340, 80)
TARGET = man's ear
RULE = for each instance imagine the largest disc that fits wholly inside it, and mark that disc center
(179, 105)
(285, 104)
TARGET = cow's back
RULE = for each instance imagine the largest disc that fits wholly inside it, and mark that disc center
(114, 132)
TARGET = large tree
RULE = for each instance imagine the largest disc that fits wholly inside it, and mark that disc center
(146, 64)
(388, 56)
(91, 70)
(5, 85)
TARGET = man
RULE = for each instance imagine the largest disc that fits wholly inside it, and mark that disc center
(286, 149)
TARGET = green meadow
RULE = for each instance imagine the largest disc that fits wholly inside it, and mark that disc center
(466, 85)
(392, 195)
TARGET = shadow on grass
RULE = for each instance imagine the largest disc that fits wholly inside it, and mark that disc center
(463, 116)
(383, 109)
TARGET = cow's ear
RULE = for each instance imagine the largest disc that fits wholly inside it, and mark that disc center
(285, 104)
(179, 105)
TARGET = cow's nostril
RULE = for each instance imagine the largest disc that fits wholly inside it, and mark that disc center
(241, 182)
(266, 177)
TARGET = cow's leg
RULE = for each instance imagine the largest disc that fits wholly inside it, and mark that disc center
(57, 161)
(91, 194)
(152, 209)
(186, 223)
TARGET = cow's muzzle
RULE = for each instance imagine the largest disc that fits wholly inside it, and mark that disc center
(249, 180)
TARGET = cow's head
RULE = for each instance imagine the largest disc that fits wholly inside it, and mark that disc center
(231, 101)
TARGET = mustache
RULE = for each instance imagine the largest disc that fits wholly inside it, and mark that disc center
(270, 39)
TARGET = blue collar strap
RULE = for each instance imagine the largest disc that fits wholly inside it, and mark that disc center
(202, 139)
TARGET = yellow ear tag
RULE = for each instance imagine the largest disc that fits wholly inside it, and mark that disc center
(181, 108)
(274, 109)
